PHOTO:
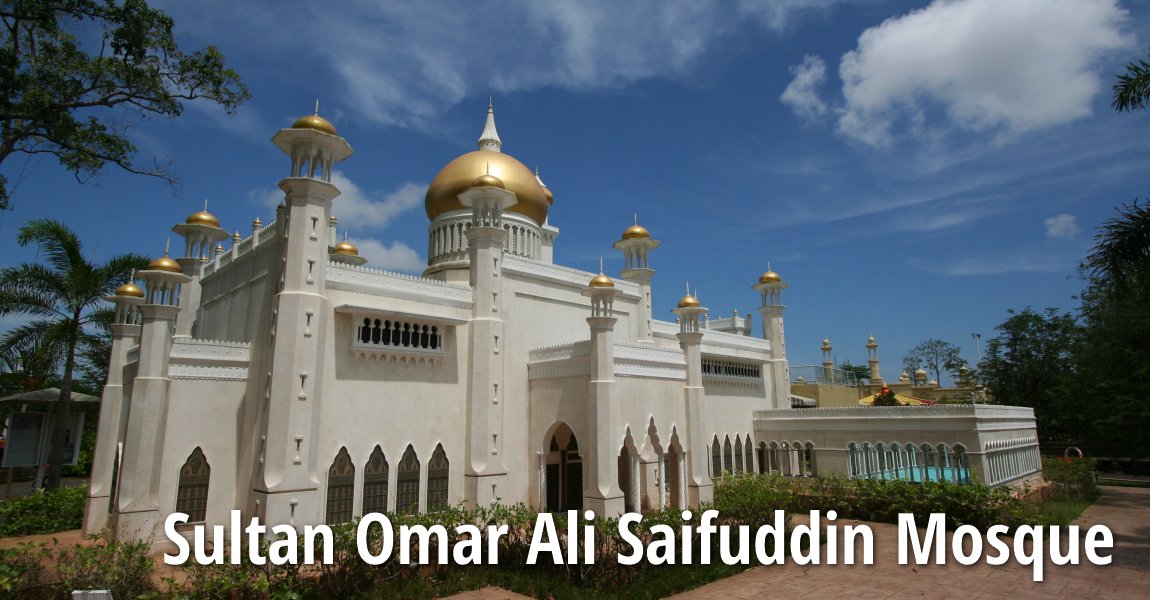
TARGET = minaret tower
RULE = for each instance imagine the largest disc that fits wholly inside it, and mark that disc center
(201, 232)
(828, 361)
(485, 473)
(138, 504)
(125, 330)
(602, 493)
(770, 287)
(636, 246)
(286, 478)
(690, 340)
(872, 360)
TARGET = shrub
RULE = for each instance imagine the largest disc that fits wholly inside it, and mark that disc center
(1075, 477)
(43, 512)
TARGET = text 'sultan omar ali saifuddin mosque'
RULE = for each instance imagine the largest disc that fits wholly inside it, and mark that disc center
(283, 377)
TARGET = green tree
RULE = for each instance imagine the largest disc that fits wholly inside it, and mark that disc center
(63, 299)
(73, 71)
(934, 355)
(1132, 91)
(1031, 363)
(885, 397)
(861, 372)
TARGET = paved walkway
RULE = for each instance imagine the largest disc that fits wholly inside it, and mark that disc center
(1126, 511)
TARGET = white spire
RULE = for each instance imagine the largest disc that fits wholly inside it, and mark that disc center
(489, 139)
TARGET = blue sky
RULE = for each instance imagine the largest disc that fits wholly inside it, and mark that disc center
(912, 169)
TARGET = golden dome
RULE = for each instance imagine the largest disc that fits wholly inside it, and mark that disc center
(488, 180)
(601, 280)
(130, 289)
(203, 218)
(315, 122)
(547, 194)
(345, 248)
(165, 263)
(770, 277)
(636, 232)
(688, 301)
(920, 374)
(459, 175)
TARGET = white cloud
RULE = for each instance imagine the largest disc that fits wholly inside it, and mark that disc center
(394, 257)
(354, 207)
(988, 64)
(405, 63)
(1062, 226)
(801, 94)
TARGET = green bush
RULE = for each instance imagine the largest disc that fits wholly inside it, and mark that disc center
(43, 512)
(1075, 477)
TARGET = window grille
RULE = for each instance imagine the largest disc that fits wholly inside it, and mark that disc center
(340, 488)
(192, 490)
(407, 484)
(437, 474)
(375, 483)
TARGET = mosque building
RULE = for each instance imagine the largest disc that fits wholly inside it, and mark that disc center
(284, 377)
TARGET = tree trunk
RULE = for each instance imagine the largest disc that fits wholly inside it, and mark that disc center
(56, 453)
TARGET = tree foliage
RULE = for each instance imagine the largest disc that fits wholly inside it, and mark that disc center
(72, 72)
(1132, 90)
(1031, 363)
(934, 355)
(861, 372)
(63, 299)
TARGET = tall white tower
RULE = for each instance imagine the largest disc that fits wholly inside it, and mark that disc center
(636, 245)
(770, 287)
(872, 360)
(284, 477)
(602, 494)
(699, 488)
(201, 232)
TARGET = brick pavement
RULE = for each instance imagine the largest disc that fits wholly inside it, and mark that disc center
(1126, 511)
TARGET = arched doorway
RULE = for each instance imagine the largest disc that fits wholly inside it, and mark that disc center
(629, 477)
(564, 473)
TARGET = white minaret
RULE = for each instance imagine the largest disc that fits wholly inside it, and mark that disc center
(602, 493)
(489, 139)
(636, 245)
(288, 352)
(201, 232)
(872, 360)
(770, 287)
(485, 472)
(690, 336)
(138, 502)
(125, 331)
(828, 361)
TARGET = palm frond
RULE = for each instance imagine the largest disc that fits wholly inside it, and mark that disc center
(60, 244)
(1132, 92)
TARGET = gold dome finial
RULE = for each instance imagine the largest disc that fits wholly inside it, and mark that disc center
(636, 231)
(315, 122)
(345, 247)
(203, 217)
(165, 263)
(688, 301)
(770, 276)
(129, 288)
(601, 280)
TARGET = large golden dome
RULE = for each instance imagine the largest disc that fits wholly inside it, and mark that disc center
(203, 218)
(459, 175)
(315, 122)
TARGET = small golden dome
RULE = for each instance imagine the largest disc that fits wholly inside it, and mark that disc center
(165, 263)
(488, 180)
(920, 374)
(636, 232)
(130, 289)
(203, 218)
(688, 301)
(460, 174)
(345, 248)
(826, 342)
(870, 340)
(315, 122)
(770, 277)
(602, 281)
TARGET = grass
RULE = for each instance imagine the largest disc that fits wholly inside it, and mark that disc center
(1062, 510)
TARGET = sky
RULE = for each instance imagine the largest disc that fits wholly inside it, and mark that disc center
(913, 170)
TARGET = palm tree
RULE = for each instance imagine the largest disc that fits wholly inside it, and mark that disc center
(62, 297)
(1132, 92)
(1122, 248)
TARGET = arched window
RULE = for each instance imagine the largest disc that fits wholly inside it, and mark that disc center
(437, 471)
(375, 483)
(407, 483)
(748, 456)
(192, 491)
(716, 459)
(853, 460)
(728, 453)
(809, 460)
(340, 488)
(739, 455)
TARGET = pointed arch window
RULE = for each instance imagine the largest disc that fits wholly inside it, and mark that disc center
(727, 454)
(748, 457)
(340, 488)
(437, 473)
(375, 482)
(738, 455)
(716, 459)
(407, 483)
(192, 490)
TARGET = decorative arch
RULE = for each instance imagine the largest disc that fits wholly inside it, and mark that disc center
(407, 483)
(748, 454)
(716, 458)
(340, 488)
(192, 490)
(561, 471)
(438, 472)
(738, 455)
(728, 452)
(375, 482)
